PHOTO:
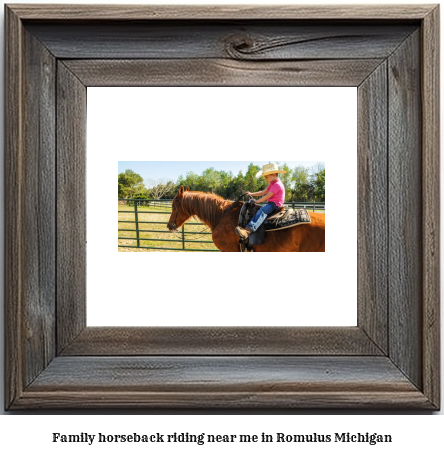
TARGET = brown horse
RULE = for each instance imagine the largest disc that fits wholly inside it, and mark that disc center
(222, 216)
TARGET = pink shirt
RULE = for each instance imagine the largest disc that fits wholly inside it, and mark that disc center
(277, 187)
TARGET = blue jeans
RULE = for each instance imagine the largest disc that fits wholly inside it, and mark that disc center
(261, 215)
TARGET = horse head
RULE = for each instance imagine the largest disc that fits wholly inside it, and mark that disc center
(178, 214)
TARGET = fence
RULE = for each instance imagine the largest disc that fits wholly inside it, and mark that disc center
(155, 203)
(185, 236)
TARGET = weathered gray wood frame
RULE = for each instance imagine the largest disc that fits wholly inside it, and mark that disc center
(390, 360)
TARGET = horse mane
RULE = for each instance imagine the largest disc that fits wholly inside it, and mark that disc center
(208, 207)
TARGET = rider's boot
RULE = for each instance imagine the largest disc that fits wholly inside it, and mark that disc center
(243, 233)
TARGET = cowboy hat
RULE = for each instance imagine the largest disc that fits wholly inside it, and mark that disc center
(271, 168)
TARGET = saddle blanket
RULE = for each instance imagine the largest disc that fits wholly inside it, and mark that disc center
(279, 221)
(286, 219)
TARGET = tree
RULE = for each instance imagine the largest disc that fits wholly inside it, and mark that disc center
(226, 184)
(287, 180)
(211, 180)
(300, 178)
(191, 180)
(251, 182)
(130, 183)
(238, 185)
(319, 182)
(159, 187)
(301, 183)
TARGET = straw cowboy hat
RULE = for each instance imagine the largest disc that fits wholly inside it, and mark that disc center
(271, 168)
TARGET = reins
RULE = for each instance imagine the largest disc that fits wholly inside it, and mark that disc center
(231, 206)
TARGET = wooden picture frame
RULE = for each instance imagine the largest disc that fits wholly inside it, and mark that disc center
(390, 360)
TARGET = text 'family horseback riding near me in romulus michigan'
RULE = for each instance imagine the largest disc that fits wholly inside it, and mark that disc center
(205, 438)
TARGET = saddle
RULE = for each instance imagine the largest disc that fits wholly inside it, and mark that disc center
(280, 219)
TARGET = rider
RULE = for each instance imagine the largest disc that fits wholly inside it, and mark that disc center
(274, 194)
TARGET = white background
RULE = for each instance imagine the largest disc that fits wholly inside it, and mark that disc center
(413, 434)
(199, 123)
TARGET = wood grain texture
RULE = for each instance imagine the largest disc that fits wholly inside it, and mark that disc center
(194, 377)
(30, 227)
(225, 400)
(209, 373)
(39, 230)
(127, 341)
(290, 382)
(220, 12)
(430, 94)
(71, 206)
(405, 209)
(13, 207)
(372, 207)
(236, 40)
(221, 72)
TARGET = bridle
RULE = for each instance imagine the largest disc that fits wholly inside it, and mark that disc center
(173, 225)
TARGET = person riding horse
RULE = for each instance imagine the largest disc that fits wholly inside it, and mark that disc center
(222, 217)
(274, 195)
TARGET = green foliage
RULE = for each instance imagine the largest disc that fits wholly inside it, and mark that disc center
(191, 180)
(319, 182)
(210, 180)
(287, 181)
(301, 183)
(300, 177)
(130, 183)
(251, 182)
(140, 196)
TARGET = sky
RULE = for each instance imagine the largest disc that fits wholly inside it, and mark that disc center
(171, 170)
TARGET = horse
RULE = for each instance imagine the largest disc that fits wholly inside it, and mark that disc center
(222, 216)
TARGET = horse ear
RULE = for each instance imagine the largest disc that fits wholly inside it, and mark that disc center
(188, 189)
(180, 191)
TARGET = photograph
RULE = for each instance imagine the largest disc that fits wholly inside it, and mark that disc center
(225, 206)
